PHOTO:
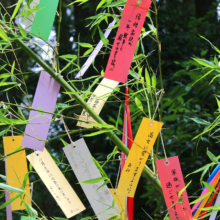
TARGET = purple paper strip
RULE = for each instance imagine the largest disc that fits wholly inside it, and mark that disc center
(8, 207)
(45, 98)
(95, 52)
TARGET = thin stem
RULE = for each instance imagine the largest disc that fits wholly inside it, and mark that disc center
(58, 35)
(113, 137)
(160, 70)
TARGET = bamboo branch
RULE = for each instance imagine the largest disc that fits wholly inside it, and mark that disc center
(78, 98)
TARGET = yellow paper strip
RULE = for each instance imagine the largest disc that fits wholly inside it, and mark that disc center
(140, 150)
(56, 183)
(121, 202)
(16, 169)
(206, 199)
(97, 100)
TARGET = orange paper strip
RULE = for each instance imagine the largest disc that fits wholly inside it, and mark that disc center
(16, 169)
(121, 202)
(140, 150)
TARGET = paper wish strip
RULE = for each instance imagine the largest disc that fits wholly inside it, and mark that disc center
(205, 200)
(95, 52)
(8, 207)
(125, 43)
(210, 180)
(97, 100)
(84, 168)
(138, 155)
(16, 169)
(38, 126)
(171, 178)
(27, 218)
(44, 18)
(217, 202)
(56, 183)
(121, 203)
(29, 20)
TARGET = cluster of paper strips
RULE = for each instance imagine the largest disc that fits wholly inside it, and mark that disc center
(125, 42)
(127, 139)
(212, 180)
(41, 21)
(80, 159)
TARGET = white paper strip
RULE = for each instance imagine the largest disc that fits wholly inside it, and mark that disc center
(97, 100)
(84, 168)
(94, 53)
(29, 20)
(217, 202)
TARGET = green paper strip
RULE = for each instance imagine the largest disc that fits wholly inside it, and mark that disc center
(44, 18)
(27, 218)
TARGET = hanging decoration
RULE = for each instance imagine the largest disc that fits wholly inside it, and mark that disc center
(140, 151)
(41, 21)
(127, 139)
(95, 52)
(39, 123)
(56, 183)
(16, 170)
(129, 30)
(172, 182)
(85, 169)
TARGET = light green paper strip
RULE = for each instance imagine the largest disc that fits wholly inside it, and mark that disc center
(27, 218)
(44, 18)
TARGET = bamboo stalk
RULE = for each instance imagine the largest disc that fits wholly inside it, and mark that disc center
(84, 105)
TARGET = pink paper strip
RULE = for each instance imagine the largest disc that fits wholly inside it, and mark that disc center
(172, 182)
(8, 207)
(204, 192)
(45, 98)
(125, 43)
(94, 53)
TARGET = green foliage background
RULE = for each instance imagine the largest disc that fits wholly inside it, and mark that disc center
(180, 24)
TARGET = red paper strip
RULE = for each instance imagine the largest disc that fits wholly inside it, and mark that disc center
(209, 203)
(172, 182)
(128, 141)
(125, 43)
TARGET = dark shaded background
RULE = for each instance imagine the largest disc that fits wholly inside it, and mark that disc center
(180, 24)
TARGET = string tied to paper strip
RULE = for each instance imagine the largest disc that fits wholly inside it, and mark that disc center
(66, 129)
(12, 132)
(161, 92)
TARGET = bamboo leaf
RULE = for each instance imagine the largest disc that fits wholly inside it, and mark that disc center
(98, 133)
(3, 177)
(182, 190)
(200, 169)
(209, 187)
(31, 211)
(97, 180)
(212, 157)
(138, 103)
(104, 40)
(88, 51)
(10, 201)
(147, 78)
(69, 56)
(16, 9)
(100, 4)
(7, 83)
(154, 81)
(3, 35)
(22, 31)
(85, 45)
(200, 198)
(10, 188)
(205, 63)
(99, 168)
